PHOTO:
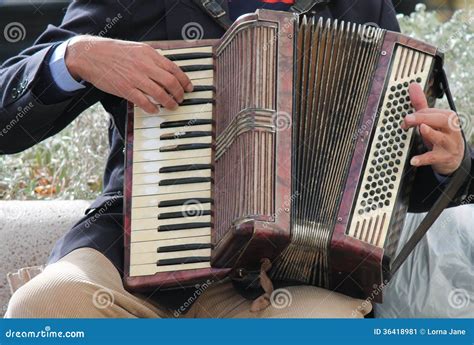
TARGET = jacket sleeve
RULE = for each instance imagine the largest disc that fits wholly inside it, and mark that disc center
(32, 107)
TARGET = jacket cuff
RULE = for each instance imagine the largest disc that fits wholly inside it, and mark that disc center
(46, 90)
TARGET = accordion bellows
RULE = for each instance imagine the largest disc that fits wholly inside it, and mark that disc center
(290, 148)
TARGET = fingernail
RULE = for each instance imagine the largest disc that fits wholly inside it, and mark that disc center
(414, 161)
(189, 87)
(410, 117)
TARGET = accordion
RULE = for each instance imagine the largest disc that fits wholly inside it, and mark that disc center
(288, 149)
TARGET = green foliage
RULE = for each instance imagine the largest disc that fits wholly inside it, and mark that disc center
(67, 166)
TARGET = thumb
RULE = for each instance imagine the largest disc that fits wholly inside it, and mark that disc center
(417, 96)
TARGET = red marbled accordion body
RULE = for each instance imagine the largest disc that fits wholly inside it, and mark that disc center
(300, 107)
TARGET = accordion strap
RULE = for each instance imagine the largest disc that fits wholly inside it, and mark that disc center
(457, 180)
(304, 6)
(216, 9)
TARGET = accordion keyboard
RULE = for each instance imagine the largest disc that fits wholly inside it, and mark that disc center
(172, 176)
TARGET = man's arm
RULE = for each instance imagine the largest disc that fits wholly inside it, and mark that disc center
(33, 106)
(27, 114)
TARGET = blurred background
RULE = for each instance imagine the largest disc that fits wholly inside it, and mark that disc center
(37, 14)
(70, 164)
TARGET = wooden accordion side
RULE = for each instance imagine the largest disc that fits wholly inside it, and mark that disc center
(309, 163)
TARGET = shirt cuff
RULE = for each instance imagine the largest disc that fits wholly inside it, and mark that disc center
(443, 179)
(59, 71)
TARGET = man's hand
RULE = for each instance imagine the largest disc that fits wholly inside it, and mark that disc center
(134, 71)
(441, 133)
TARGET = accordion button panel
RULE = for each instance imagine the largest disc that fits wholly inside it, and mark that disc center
(387, 159)
(171, 216)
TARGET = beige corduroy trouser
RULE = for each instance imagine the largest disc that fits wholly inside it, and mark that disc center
(85, 284)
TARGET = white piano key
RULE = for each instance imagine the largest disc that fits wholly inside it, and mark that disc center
(150, 223)
(200, 94)
(184, 109)
(153, 212)
(155, 144)
(156, 121)
(152, 246)
(152, 258)
(155, 178)
(155, 200)
(196, 75)
(155, 166)
(195, 62)
(183, 141)
(203, 49)
(155, 133)
(152, 155)
(152, 189)
(205, 82)
(154, 235)
(150, 269)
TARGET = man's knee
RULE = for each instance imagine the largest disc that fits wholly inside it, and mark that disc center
(50, 295)
(315, 302)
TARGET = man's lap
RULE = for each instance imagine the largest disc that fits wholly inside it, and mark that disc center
(84, 283)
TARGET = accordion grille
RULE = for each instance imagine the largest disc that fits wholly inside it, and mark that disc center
(245, 137)
(335, 65)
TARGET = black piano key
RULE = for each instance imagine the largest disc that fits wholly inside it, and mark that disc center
(184, 147)
(195, 68)
(184, 226)
(184, 135)
(183, 214)
(179, 202)
(183, 247)
(188, 56)
(186, 167)
(196, 101)
(198, 88)
(186, 123)
(185, 180)
(186, 260)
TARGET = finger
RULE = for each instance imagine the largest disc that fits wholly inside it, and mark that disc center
(433, 136)
(435, 120)
(151, 88)
(171, 84)
(436, 110)
(428, 158)
(417, 97)
(174, 69)
(139, 99)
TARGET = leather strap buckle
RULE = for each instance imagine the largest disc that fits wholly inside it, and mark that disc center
(213, 8)
(304, 6)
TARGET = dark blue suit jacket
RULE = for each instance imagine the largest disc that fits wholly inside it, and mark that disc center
(26, 81)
